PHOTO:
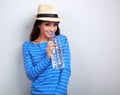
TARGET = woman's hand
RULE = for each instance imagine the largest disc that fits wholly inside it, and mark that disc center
(49, 47)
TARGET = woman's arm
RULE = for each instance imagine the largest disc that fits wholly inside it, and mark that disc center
(33, 71)
(66, 71)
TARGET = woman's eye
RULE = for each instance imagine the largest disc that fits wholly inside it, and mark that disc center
(56, 24)
(47, 24)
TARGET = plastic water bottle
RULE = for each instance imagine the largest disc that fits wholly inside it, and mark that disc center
(56, 53)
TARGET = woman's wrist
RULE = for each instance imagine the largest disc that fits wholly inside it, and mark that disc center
(49, 56)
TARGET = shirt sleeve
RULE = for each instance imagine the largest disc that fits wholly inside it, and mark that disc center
(66, 71)
(33, 71)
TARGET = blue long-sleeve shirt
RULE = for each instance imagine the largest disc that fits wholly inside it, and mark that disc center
(38, 67)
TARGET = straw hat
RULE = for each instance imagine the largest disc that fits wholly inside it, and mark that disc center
(47, 12)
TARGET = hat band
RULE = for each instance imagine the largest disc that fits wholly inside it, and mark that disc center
(48, 15)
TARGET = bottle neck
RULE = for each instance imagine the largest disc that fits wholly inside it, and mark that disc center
(53, 34)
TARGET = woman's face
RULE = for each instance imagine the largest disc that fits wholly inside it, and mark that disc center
(47, 27)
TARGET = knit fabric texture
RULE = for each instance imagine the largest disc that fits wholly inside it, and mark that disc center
(38, 68)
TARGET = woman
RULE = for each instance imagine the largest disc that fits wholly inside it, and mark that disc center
(37, 58)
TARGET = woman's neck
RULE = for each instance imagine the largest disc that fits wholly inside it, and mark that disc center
(41, 39)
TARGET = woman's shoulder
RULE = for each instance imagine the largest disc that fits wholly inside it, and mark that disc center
(26, 43)
(62, 36)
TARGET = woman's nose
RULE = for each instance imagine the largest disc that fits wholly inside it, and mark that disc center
(52, 28)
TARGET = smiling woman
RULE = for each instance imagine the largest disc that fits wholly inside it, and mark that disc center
(37, 57)
(42, 30)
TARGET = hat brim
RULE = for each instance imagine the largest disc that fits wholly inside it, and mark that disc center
(47, 18)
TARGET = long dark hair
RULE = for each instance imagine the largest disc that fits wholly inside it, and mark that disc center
(36, 30)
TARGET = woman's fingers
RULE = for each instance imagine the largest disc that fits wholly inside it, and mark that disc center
(50, 47)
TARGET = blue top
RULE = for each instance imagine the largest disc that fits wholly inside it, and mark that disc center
(38, 67)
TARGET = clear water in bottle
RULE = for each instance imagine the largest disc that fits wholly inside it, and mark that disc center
(56, 54)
